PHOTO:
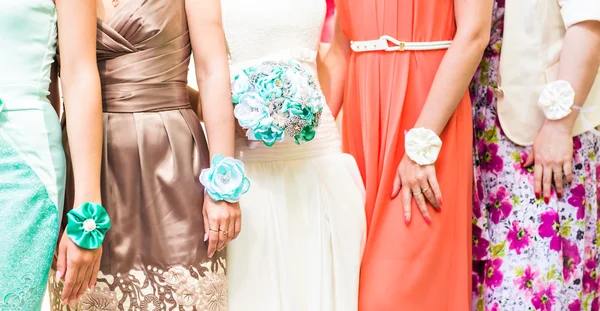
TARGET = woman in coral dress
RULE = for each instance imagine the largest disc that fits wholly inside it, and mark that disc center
(411, 263)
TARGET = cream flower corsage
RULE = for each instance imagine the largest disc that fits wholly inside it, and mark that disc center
(422, 145)
(557, 99)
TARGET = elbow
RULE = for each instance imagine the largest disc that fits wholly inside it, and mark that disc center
(477, 39)
(74, 74)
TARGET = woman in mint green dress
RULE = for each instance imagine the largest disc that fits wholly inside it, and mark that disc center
(32, 162)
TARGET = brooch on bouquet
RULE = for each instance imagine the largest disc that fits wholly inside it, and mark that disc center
(275, 99)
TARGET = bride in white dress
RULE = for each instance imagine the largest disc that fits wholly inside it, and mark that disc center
(303, 219)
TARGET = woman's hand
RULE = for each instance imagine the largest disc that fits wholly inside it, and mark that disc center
(222, 223)
(419, 182)
(78, 266)
(552, 154)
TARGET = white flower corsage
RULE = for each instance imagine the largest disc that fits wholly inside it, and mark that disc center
(225, 180)
(557, 99)
(422, 145)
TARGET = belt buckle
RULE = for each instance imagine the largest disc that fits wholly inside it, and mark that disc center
(396, 44)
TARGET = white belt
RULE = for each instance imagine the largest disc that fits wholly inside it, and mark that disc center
(383, 44)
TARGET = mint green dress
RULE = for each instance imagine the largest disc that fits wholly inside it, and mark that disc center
(32, 163)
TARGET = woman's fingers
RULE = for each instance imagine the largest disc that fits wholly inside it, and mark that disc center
(213, 238)
(420, 199)
(61, 262)
(85, 280)
(406, 198)
(397, 185)
(224, 226)
(558, 180)
(435, 189)
(537, 177)
(95, 271)
(547, 183)
(230, 232)
(427, 193)
(206, 225)
(70, 282)
(568, 170)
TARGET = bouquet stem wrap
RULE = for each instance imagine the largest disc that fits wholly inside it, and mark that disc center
(88, 224)
(225, 180)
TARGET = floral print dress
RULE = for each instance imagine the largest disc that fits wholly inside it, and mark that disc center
(528, 255)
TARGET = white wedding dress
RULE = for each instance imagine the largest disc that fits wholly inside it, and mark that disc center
(303, 223)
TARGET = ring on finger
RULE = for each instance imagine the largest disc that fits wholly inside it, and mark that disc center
(224, 232)
(213, 230)
(417, 193)
(425, 190)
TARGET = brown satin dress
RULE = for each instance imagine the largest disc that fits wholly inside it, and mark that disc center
(155, 257)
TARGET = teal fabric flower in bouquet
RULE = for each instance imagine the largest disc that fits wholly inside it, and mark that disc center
(275, 99)
(88, 224)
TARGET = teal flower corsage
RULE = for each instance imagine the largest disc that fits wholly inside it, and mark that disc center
(225, 180)
(88, 224)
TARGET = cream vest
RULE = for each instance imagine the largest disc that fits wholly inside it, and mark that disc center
(533, 38)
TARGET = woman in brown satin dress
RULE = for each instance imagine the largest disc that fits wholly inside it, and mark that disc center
(161, 253)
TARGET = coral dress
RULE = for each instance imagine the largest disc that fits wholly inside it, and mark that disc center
(419, 267)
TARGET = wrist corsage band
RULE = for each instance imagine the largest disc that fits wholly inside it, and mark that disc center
(88, 224)
(225, 180)
(422, 145)
(557, 99)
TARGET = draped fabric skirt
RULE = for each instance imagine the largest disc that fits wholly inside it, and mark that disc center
(32, 176)
(303, 227)
(154, 257)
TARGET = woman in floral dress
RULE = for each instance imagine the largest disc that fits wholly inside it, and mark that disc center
(529, 253)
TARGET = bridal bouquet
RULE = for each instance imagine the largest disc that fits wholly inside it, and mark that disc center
(274, 99)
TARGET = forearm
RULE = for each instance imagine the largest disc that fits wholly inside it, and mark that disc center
(83, 108)
(579, 63)
(334, 68)
(217, 109)
(451, 81)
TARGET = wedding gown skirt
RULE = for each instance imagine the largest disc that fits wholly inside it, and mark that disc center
(303, 227)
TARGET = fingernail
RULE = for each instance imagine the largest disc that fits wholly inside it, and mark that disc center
(205, 237)
(559, 195)
(93, 286)
(406, 220)
(58, 275)
(547, 200)
(428, 220)
(537, 195)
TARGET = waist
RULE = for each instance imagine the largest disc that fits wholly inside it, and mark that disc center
(29, 96)
(326, 142)
(391, 44)
(145, 97)
(307, 57)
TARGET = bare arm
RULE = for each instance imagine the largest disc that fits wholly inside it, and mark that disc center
(552, 151)
(212, 74)
(333, 69)
(83, 108)
(222, 220)
(579, 63)
(473, 19)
